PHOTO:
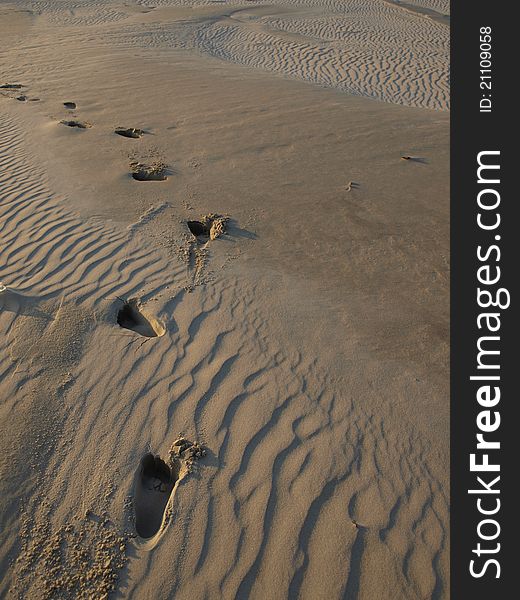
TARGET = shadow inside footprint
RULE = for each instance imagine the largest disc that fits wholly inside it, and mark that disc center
(153, 487)
(78, 124)
(131, 132)
(198, 228)
(210, 226)
(131, 316)
(70, 105)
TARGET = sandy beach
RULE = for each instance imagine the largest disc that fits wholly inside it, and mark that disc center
(224, 299)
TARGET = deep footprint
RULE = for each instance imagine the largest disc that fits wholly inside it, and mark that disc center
(78, 124)
(155, 481)
(70, 105)
(198, 228)
(131, 132)
(210, 226)
(131, 316)
(154, 485)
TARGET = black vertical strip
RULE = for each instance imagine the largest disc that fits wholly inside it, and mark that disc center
(472, 132)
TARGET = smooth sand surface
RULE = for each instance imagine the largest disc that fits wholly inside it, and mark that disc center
(304, 343)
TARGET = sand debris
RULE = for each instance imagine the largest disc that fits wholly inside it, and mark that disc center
(351, 185)
(188, 452)
(78, 560)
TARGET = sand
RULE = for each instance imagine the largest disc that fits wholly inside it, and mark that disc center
(251, 266)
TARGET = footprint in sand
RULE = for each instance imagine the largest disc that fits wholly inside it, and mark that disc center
(70, 105)
(198, 229)
(77, 124)
(130, 132)
(11, 86)
(131, 316)
(155, 172)
(210, 226)
(155, 481)
(153, 488)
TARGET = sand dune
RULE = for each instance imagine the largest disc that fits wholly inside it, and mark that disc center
(374, 49)
(279, 296)
(369, 49)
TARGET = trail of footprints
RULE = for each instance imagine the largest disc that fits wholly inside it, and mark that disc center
(155, 478)
(208, 228)
(156, 171)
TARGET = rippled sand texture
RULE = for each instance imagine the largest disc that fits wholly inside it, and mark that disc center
(305, 346)
(371, 48)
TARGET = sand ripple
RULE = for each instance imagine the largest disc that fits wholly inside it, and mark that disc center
(372, 48)
(307, 490)
(294, 457)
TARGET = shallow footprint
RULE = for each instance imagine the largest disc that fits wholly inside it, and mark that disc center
(131, 316)
(154, 172)
(78, 124)
(130, 132)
